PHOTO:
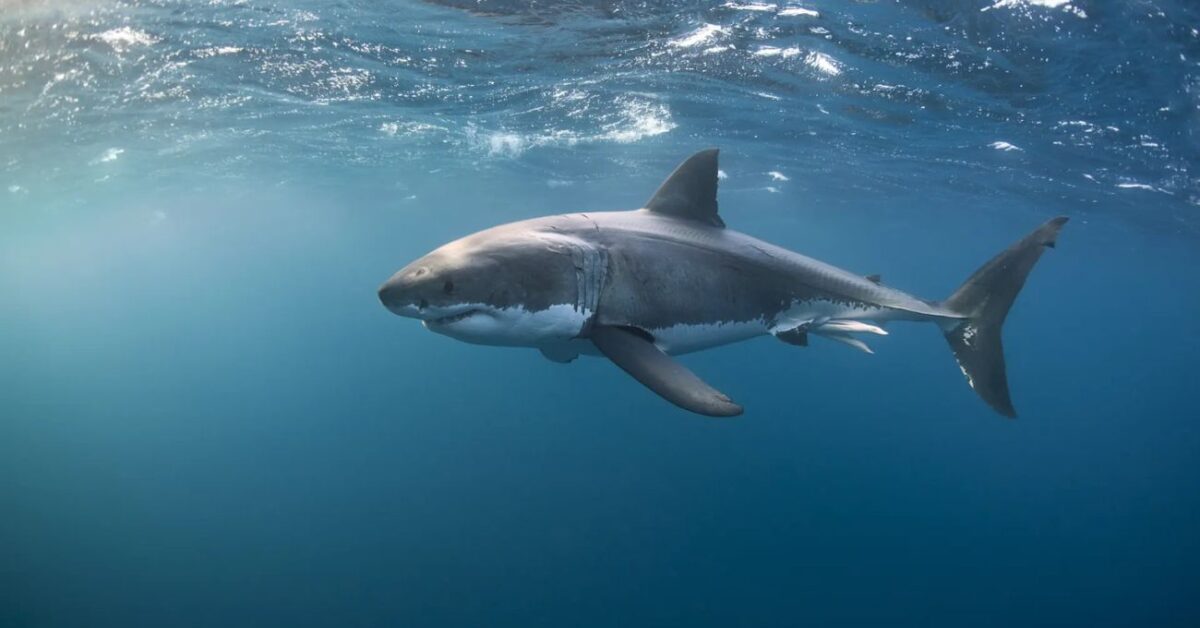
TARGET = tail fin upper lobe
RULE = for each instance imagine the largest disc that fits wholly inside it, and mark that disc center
(984, 299)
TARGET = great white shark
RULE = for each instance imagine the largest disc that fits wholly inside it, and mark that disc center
(644, 285)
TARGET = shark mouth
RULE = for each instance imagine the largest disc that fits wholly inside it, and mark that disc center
(450, 319)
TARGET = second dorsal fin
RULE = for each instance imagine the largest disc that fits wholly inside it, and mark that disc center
(691, 191)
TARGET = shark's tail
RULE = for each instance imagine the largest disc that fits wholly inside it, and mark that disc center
(984, 300)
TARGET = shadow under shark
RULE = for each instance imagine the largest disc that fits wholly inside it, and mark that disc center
(641, 286)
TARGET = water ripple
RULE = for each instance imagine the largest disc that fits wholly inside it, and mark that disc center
(230, 86)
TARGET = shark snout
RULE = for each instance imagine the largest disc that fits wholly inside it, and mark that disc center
(397, 296)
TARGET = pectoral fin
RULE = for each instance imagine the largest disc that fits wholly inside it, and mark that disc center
(637, 355)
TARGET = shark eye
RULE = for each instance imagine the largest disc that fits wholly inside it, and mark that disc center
(448, 287)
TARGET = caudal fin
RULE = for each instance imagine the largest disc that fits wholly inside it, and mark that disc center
(984, 300)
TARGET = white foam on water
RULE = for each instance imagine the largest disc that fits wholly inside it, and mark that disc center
(217, 51)
(1065, 5)
(508, 144)
(392, 129)
(721, 176)
(124, 38)
(766, 7)
(778, 176)
(752, 6)
(501, 143)
(798, 12)
(13, 189)
(823, 63)
(1087, 127)
(1012, 4)
(1004, 146)
(1142, 186)
(701, 36)
(637, 120)
(111, 154)
(640, 119)
(775, 51)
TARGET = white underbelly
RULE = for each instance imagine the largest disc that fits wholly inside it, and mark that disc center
(515, 326)
(686, 338)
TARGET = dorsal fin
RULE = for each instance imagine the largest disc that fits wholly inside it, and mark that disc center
(875, 279)
(691, 191)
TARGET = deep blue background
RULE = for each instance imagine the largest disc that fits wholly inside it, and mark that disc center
(206, 418)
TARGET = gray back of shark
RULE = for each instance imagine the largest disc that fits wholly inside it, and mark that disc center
(641, 286)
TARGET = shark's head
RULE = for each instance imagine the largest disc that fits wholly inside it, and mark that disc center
(502, 286)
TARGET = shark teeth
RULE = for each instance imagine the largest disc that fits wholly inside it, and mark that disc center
(452, 318)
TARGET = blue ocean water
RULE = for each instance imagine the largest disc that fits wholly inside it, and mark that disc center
(207, 418)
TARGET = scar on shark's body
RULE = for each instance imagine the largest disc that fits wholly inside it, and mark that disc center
(641, 286)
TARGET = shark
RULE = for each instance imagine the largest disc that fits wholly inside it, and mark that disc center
(643, 286)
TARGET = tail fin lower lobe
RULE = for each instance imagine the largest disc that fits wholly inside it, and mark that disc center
(984, 300)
